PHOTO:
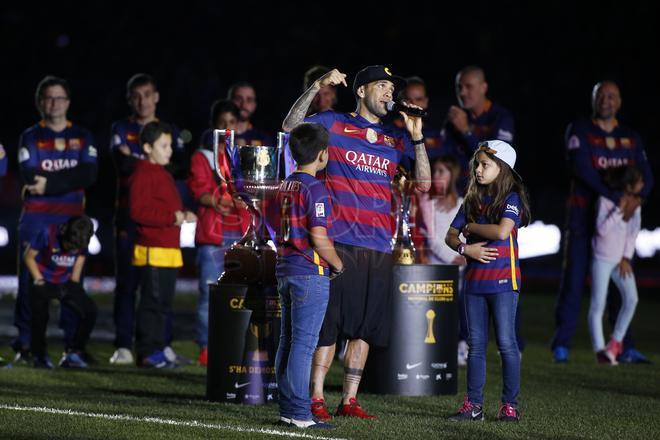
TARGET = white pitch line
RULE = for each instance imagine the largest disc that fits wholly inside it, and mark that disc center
(159, 421)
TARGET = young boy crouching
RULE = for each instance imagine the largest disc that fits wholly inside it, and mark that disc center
(55, 260)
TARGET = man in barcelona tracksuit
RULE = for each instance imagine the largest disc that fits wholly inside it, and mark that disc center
(57, 161)
(592, 147)
(142, 97)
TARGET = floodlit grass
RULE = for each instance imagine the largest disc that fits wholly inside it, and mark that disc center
(577, 400)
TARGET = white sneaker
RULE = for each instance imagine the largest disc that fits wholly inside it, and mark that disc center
(313, 424)
(170, 355)
(122, 356)
(175, 358)
(462, 353)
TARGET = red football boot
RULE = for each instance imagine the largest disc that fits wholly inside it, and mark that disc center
(353, 409)
(203, 358)
(320, 410)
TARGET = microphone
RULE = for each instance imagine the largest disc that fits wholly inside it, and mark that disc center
(397, 107)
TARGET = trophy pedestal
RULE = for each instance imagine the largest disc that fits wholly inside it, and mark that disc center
(244, 326)
(421, 359)
(244, 331)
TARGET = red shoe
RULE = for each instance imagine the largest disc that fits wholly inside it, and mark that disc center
(203, 358)
(508, 413)
(353, 409)
(615, 347)
(320, 410)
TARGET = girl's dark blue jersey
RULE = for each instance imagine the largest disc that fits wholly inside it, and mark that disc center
(502, 274)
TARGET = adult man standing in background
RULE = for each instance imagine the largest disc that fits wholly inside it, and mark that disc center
(593, 146)
(475, 119)
(57, 161)
(142, 97)
(244, 96)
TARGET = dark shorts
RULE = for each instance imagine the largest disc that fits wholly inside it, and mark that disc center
(360, 304)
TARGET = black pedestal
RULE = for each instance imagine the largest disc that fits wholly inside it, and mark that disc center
(244, 329)
(421, 357)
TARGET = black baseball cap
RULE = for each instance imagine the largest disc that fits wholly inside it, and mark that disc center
(377, 73)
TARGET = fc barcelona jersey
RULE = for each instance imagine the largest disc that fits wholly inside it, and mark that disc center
(363, 159)
(502, 274)
(44, 151)
(55, 264)
(305, 203)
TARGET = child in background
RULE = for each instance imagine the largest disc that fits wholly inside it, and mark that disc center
(613, 247)
(156, 208)
(55, 258)
(437, 209)
(305, 258)
(495, 206)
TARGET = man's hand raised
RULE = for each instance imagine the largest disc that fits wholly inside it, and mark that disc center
(332, 78)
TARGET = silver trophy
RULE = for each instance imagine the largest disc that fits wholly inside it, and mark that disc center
(403, 249)
(255, 178)
(244, 307)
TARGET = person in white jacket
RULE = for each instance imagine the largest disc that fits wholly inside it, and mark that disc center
(613, 247)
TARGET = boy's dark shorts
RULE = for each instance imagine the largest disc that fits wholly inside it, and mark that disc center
(360, 304)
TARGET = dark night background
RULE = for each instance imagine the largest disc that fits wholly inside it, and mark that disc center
(541, 60)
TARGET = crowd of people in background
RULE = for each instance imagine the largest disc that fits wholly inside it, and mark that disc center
(161, 184)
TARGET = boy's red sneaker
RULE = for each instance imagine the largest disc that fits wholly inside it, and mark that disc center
(320, 410)
(203, 358)
(353, 409)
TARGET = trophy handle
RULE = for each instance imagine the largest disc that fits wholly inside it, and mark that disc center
(282, 139)
(229, 140)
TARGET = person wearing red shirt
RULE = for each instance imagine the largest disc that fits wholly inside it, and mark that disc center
(221, 219)
(156, 208)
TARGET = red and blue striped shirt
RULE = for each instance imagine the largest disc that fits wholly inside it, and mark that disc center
(45, 152)
(591, 150)
(305, 203)
(55, 264)
(502, 274)
(363, 158)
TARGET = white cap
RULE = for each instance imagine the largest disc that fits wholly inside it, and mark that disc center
(502, 151)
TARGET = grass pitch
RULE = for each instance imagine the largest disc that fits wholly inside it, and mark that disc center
(577, 400)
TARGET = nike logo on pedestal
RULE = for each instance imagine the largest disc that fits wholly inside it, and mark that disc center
(410, 367)
(237, 385)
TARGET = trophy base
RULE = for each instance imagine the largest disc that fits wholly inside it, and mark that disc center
(249, 265)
